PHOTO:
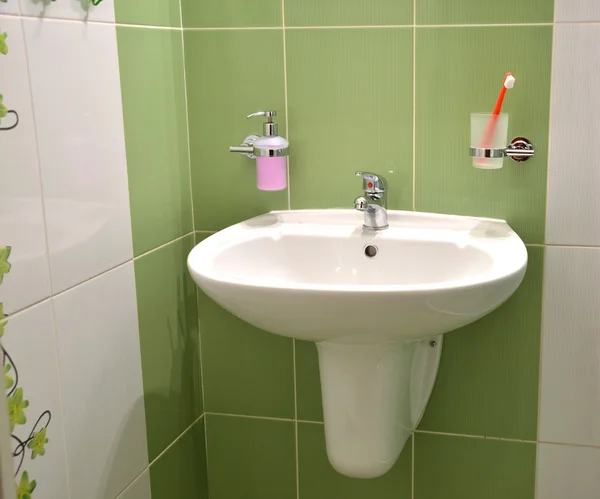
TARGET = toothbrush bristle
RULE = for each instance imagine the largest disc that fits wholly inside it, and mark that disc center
(509, 80)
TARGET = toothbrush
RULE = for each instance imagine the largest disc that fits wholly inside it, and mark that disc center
(509, 82)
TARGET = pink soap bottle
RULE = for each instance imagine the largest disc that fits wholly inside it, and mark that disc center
(271, 153)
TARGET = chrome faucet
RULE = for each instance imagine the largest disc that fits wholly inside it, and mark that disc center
(374, 201)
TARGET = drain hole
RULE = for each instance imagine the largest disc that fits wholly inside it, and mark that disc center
(371, 251)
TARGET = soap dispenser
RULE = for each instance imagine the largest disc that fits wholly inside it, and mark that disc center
(270, 151)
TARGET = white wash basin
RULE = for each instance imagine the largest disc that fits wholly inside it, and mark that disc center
(377, 321)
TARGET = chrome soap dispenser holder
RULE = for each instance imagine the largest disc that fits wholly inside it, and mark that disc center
(270, 129)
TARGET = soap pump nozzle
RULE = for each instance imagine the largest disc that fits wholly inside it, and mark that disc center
(270, 129)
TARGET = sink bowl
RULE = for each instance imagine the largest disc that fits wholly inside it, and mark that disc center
(376, 303)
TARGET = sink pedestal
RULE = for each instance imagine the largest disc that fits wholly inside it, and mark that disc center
(373, 398)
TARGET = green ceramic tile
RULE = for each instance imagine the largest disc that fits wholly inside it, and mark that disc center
(348, 12)
(484, 11)
(308, 382)
(231, 13)
(246, 370)
(148, 12)
(460, 71)
(350, 105)
(471, 468)
(168, 323)
(318, 479)
(251, 458)
(224, 86)
(154, 111)
(180, 473)
(487, 382)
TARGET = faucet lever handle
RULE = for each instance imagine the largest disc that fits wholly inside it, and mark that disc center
(373, 183)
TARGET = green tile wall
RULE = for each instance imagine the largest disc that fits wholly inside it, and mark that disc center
(367, 103)
(154, 110)
(251, 458)
(471, 67)
(152, 72)
(225, 85)
(484, 11)
(148, 12)
(348, 12)
(362, 87)
(169, 341)
(180, 473)
(473, 468)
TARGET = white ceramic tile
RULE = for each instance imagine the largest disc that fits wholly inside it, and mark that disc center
(101, 377)
(576, 10)
(29, 346)
(21, 213)
(140, 489)
(566, 472)
(570, 381)
(74, 71)
(69, 9)
(574, 164)
(10, 7)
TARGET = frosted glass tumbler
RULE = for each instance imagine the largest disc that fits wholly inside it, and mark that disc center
(489, 131)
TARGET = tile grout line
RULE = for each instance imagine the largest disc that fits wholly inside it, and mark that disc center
(414, 106)
(414, 192)
(289, 206)
(543, 293)
(285, 100)
(88, 279)
(161, 454)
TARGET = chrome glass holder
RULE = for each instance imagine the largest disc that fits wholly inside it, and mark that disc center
(520, 149)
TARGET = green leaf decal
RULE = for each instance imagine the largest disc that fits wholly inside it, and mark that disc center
(3, 45)
(3, 322)
(5, 250)
(8, 381)
(3, 109)
(16, 409)
(25, 487)
(37, 443)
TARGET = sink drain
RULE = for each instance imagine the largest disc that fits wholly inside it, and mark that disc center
(371, 251)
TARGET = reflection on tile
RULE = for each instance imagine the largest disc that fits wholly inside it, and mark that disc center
(577, 10)
(140, 489)
(573, 175)
(83, 10)
(446, 181)
(318, 479)
(10, 8)
(487, 382)
(251, 458)
(21, 211)
(348, 12)
(227, 85)
(570, 403)
(168, 318)
(148, 12)
(231, 13)
(473, 468)
(79, 120)
(151, 63)
(101, 378)
(180, 473)
(484, 11)
(31, 372)
(567, 472)
(364, 70)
